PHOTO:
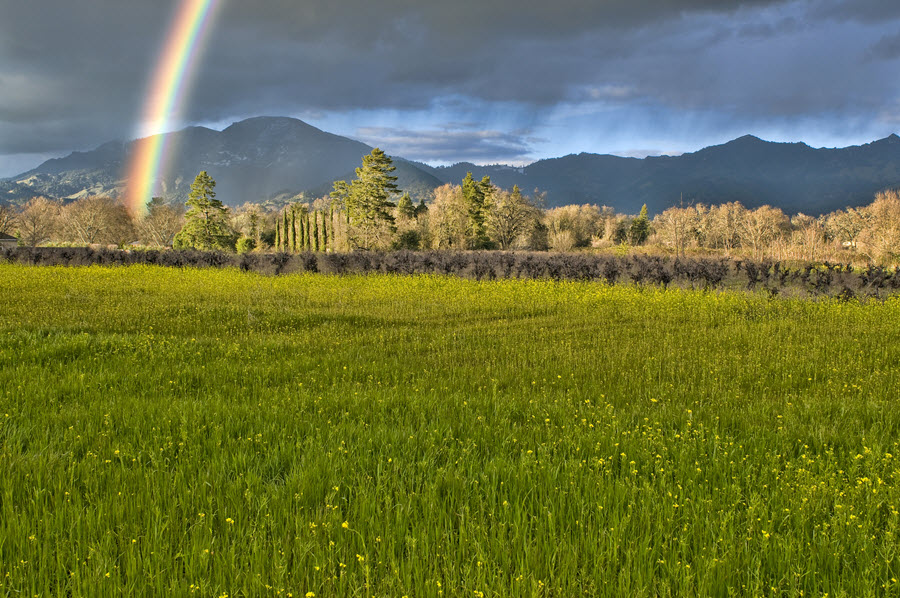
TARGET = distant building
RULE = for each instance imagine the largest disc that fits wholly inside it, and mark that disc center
(8, 242)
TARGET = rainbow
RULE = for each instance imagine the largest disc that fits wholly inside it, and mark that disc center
(165, 97)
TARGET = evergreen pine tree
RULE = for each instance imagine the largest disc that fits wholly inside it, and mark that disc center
(367, 200)
(206, 223)
(405, 207)
(254, 228)
(476, 194)
(640, 228)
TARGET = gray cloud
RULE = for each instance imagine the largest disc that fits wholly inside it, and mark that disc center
(479, 146)
(72, 74)
(877, 11)
(887, 48)
(464, 20)
(767, 30)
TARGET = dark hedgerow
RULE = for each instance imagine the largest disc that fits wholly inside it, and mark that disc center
(830, 280)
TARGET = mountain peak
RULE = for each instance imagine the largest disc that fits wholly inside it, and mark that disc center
(268, 123)
(752, 143)
(746, 140)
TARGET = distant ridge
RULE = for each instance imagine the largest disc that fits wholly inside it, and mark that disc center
(253, 160)
(267, 158)
(792, 176)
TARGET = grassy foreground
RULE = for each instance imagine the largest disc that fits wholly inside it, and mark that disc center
(202, 432)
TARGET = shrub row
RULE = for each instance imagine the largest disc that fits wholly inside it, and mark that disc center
(827, 279)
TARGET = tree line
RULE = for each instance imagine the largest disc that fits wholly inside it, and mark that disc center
(870, 233)
(371, 213)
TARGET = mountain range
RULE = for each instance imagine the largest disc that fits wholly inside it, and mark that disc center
(275, 159)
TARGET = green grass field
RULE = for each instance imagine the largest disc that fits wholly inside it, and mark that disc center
(202, 432)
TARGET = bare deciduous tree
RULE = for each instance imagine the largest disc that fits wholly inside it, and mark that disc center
(509, 216)
(161, 223)
(677, 227)
(247, 220)
(761, 226)
(723, 226)
(582, 223)
(37, 221)
(879, 240)
(807, 237)
(448, 218)
(96, 220)
(7, 219)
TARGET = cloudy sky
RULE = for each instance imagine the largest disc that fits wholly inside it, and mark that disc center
(477, 80)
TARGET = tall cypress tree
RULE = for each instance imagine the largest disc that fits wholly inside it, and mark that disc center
(331, 226)
(308, 245)
(301, 228)
(315, 217)
(293, 227)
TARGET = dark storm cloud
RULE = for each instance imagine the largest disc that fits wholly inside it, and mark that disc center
(887, 48)
(72, 72)
(877, 11)
(401, 53)
(466, 19)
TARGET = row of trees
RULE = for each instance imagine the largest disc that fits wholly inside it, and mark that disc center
(360, 214)
(369, 213)
(871, 232)
(91, 221)
(299, 228)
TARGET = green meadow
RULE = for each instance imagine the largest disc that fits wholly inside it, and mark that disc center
(171, 432)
